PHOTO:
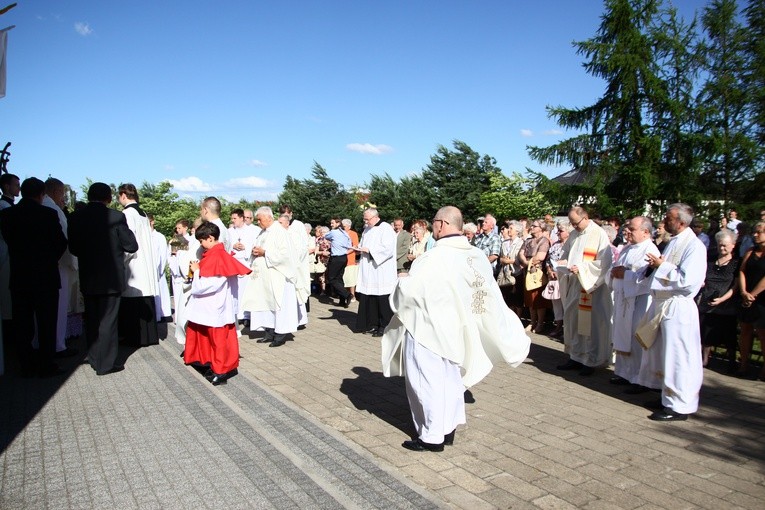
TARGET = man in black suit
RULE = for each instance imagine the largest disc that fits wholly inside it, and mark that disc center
(35, 243)
(100, 237)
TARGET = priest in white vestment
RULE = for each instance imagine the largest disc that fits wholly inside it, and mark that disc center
(162, 301)
(675, 355)
(242, 238)
(377, 274)
(137, 315)
(450, 326)
(271, 297)
(300, 239)
(587, 301)
(632, 297)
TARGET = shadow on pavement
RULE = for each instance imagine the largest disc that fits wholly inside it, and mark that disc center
(21, 398)
(728, 406)
(385, 397)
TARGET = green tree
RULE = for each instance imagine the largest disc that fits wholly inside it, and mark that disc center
(514, 197)
(319, 199)
(730, 151)
(166, 206)
(619, 152)
(457, 177)
(754, 49)
(674, 118)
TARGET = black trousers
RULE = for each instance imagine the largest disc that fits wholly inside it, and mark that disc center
(334, 275)
(101, 313)
(38, 309)
(374, 312)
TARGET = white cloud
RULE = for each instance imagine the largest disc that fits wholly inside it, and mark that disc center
(190, 184)
(83, 28)
(368, 148)
(527, 133)
(257, 163)
(553, 132)
(169, 168)
(246, 182)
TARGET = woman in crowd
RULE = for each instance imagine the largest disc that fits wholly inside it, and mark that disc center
(661, 236)
(751, 284)
(717, 305)
(321, 258)
(555, 254)
(469, 230)
(533, 256)
(422, 240)
(510, 265)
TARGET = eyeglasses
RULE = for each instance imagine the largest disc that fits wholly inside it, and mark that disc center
(535, 225)
(442, 221)
(576, 223)
(248, 217)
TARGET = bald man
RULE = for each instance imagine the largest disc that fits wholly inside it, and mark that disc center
(449, 327)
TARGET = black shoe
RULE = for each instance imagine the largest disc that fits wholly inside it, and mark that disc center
(219, 379)
(449, 438)
(587, 371)
(619, 381)
(183, 352)
(636, 389)
(667, 414)
(654, 404)
(66, 353)
(264, 340)
(277, 343)
(417, 445)
(370, 331)
(378, 333)
(570, 365)
(301, 327)
(113, 370)
(468, 396)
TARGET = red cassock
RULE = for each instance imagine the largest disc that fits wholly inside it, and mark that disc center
(217, 346)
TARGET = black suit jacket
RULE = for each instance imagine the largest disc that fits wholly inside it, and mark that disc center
(35, 243)
(99, 237)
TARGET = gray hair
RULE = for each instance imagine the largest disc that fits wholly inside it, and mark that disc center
(684, 212)
(374, 212)
(308, 227)
(346, 223)
(646, 224)
(470, 227)
(722, 234)
(564, 225)
(266, 211)
(516, 225)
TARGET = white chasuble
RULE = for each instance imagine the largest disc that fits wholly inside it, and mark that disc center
(587, 302)
(451, 304)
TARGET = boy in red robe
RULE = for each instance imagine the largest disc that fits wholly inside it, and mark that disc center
(211, 337)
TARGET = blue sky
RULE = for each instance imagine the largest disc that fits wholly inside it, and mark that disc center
(228, 98)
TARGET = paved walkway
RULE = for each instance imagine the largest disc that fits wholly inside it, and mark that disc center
(314, 424)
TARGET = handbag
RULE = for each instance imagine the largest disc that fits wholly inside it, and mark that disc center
(552, 290)
(535, 279)
(505, 277)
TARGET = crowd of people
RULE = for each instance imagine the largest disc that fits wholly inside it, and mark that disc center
(447, 298)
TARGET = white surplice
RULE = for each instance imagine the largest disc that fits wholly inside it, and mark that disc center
(593, 347)
(162, 301)
(377, 269)
(632, 297)
(246, 234)
(674, 360)
(141, 266)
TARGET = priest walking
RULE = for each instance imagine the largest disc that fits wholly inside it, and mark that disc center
(451, 326)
